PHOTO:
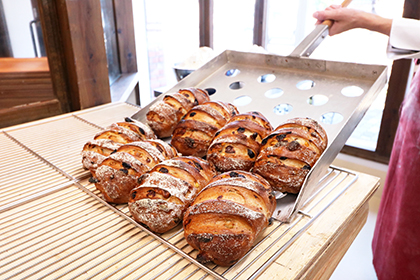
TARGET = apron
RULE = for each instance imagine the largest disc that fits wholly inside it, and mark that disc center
(396, 241)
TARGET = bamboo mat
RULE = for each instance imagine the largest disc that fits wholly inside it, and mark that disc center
(54, 224)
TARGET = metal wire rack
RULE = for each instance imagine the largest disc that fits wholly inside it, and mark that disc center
(54, 224)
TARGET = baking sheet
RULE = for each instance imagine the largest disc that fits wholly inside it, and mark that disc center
(284, 87)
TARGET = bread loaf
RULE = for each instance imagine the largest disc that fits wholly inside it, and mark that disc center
(117, 175)
(126, 132)
(228, 214)
(95, 151)
(289, 153)
(237, 144)
(110, 139)
(164, 193)
(165, 114)
(193, 134)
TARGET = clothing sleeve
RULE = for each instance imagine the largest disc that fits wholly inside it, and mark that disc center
(404, 39)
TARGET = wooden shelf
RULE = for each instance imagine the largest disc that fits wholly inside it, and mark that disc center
(26, 91)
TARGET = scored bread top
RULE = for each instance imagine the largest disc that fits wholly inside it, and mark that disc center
(228, 214)
(165, 192)
(255, 117)
(315, 130)
(237, 144)
(117, 174)
(166, 113)
(95, 151)
(289, 153)
(141, 129)
(193, 134)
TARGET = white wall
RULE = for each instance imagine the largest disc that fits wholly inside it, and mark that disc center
(18, 16)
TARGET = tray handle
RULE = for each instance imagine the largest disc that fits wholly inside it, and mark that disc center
(312, 41)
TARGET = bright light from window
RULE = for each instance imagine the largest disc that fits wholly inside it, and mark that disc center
(233, 25)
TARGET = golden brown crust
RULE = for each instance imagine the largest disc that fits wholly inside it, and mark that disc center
(288, 154)
(205, 168)
(290, 144)
(193, 134)
(226, 217)
(256, 117)
(251, 181)
(165, 148)
(95, 151)
(165, 114)
(161, 118)
(284, 175)
(164, 193)
(116, 136)
(143, 130)
(237, 144)
(316, 132)
(118, 174)
(200, 95)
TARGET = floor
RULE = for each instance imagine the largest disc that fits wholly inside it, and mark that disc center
(357, 263)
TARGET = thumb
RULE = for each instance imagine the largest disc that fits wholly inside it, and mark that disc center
(324, 15)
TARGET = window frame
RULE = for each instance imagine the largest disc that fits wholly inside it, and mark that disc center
(5, 44)
(77, 55)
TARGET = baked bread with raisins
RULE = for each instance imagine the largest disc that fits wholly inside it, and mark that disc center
(163, 194)
(117, 175)
(228, 215)
(126, 132)
(237, 144)
(164, 115)
(95, 151)
(289, 153)
(110, 139)
(193, 134)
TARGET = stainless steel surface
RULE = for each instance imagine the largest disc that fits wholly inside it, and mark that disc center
(311, 42)
(71, 232)
(327, 79)
(182, 73)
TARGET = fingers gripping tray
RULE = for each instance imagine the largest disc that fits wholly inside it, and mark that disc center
(336, 94)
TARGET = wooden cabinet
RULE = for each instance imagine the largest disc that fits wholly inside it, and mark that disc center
(75, 74)
(26, 91)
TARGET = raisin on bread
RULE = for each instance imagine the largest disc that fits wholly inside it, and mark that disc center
(237, 144)
(118, 174)
(164, 193)
(95, 151)
(126, 132)
(194, 133)
(289, 153)
(165, 114)
(227, 216)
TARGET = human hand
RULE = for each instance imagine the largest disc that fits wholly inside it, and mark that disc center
(345, 19)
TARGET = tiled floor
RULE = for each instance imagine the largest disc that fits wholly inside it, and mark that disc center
(357, 262)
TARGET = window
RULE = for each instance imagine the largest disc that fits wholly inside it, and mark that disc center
(233, 25)
(172, 35)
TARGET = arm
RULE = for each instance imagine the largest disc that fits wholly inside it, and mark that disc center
(404, 41)
(345, 19)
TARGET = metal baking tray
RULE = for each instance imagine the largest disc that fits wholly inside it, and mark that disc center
(284, 87)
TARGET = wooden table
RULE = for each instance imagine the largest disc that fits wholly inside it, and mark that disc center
(54, 224)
